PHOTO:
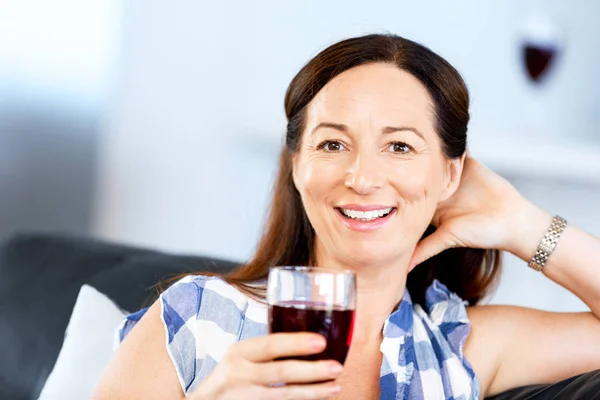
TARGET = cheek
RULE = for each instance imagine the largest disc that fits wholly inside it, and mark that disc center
(418, 183)
(317, 177)
(316, 182)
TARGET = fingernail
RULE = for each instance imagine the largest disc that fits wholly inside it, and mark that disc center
(335, 390)
(317, 343)
(336, 369)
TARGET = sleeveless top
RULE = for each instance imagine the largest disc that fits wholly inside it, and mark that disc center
(422, 347)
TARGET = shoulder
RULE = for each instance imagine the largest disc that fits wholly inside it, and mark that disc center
(210, 306)
(493, 333)
(192, 300)
(204, 298)
(514, 346)
(202, 317)
(141, 354)
(490, 332)
(194, 285)
(191, 292)
(495, 326)
(497, 317)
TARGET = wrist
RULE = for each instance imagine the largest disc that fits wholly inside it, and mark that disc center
(529, 224)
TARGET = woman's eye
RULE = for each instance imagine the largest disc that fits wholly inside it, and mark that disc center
(400, 148)
(331, 146)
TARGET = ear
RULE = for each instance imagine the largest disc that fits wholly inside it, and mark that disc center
(454, 169)
(295, 169)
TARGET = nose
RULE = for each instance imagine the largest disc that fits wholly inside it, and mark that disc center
(365, 174)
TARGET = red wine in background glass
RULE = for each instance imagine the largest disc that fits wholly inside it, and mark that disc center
(538, 59)
(333, 323)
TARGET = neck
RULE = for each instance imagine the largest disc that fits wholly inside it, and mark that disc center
(376, 300)
(380, 289)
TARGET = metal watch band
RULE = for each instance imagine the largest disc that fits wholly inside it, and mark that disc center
(548, 243)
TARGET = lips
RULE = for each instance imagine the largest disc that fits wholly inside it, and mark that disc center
(365, 215)
(365, 218)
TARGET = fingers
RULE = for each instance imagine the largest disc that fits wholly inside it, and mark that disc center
(247, 370)
(294, 371)
(432, 245)
(301, 392)
(270, 347)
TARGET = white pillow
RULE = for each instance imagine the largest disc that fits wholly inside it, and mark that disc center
(87, 348)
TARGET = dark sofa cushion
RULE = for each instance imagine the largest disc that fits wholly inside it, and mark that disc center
(40, 278)
(581, 387)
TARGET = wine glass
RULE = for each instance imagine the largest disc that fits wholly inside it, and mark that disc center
(540, 45)
(312, 299)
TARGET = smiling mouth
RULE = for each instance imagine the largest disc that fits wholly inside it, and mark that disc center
(365, 216)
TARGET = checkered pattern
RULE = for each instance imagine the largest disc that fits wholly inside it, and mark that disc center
(422, 347)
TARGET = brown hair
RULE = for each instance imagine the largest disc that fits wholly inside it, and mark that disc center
(288, 238)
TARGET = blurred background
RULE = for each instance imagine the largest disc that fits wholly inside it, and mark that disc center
(159, 123)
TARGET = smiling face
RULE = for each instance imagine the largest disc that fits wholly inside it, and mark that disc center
(370, 167)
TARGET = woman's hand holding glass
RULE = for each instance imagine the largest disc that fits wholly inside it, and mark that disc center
(248, 370)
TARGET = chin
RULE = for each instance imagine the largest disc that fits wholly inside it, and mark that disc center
(369, 255)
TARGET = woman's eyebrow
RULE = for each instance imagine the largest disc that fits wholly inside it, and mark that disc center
(388, 129)
(392, 129)
(338, 127)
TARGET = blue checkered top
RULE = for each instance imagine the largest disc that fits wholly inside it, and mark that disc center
(422, 347)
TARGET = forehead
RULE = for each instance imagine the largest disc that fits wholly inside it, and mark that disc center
(381, 93)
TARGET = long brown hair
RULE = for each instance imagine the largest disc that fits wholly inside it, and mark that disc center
(288, 238)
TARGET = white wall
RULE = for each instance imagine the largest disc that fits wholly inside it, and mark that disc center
(56, 69)
(189, 155)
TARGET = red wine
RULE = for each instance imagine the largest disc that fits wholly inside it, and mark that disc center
(537, 60)
(334, 324)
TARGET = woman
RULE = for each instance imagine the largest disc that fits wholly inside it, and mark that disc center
(375, 158)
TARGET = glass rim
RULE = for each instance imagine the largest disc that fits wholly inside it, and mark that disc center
(314, 270)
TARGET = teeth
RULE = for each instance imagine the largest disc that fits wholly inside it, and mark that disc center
(366, 215)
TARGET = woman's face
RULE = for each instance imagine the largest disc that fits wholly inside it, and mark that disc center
(370, 168)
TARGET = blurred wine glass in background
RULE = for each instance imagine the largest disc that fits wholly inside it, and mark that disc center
(541, 47)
